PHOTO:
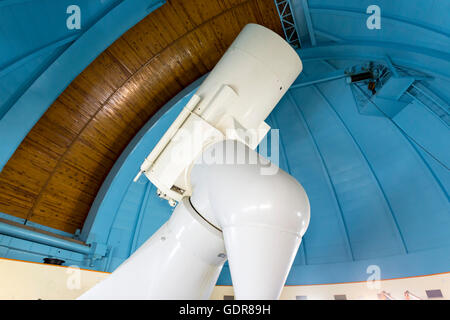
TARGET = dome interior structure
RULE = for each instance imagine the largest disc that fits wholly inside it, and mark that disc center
(364, 128)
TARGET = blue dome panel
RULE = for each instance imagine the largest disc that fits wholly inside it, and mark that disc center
(377, 197)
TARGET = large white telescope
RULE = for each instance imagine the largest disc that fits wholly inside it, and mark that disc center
(228, 207)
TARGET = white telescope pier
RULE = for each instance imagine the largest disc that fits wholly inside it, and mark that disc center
(228, 205)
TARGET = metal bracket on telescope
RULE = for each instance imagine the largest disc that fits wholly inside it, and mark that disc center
(196, 127)
(231, 103)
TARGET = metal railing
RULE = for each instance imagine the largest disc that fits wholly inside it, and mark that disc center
(288, 23)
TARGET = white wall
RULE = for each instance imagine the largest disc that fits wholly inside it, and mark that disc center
(27, 280)
(361, 290)
(32, 281)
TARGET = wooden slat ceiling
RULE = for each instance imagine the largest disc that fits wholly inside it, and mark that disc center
(54, 175)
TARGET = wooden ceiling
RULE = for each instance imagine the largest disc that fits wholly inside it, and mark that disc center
(54, 175)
